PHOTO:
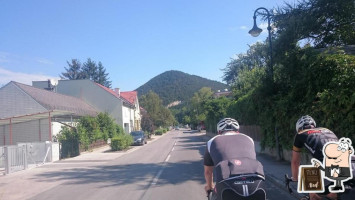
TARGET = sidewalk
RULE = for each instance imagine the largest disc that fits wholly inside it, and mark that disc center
(11, 184)
(275, 172)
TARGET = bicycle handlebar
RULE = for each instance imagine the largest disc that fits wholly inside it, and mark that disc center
(287, 182)
(209, 193)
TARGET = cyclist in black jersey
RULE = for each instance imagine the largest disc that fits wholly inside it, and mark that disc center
(313, 139)
(232, 155)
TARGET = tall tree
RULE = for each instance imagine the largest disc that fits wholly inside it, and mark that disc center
(146, 122)
(197, 111)
(256, 56)
(74, 71)
(322, 22)
(90, 70)
(102, 76)
(160, 115)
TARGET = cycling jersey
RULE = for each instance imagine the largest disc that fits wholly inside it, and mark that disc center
(313, 140)
(232, 154)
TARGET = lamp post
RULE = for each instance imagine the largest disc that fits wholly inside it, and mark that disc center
(255, 32)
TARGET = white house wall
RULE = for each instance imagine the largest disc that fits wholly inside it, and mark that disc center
(137, 114)
(127, 118)
(56, 128)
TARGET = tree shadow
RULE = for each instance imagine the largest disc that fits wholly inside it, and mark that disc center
(115, 175)
(137, 173)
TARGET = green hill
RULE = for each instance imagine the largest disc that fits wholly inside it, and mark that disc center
(178, 86)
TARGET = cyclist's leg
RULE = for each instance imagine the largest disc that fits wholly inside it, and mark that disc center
(332, 196)
(314, 196)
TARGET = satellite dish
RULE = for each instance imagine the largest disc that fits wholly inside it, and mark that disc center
(53, 82)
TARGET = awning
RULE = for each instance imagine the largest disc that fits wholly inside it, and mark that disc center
(34, 116)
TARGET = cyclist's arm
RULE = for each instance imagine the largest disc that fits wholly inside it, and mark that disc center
(208, 166)
(209, 177)
(295, 163)
(296, 154)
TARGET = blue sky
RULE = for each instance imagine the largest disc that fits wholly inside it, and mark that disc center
(134, 39)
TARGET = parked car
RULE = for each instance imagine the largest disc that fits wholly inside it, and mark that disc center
(139, 137)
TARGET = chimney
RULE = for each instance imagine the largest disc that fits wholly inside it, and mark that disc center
(117, 90)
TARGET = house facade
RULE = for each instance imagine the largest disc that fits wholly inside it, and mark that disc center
(98, 96)
(30, 114)
(132, 98)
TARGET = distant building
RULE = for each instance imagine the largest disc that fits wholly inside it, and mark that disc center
(175, 103)
(224, 93)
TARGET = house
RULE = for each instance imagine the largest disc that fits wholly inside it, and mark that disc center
(132, 98)
(224, 93)
(30, 114)
(100, 97)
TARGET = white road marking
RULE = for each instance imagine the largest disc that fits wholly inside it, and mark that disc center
(156, 178)
(147, 194)
(167, 158)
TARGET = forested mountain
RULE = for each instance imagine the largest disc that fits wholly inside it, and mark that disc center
(178, 86)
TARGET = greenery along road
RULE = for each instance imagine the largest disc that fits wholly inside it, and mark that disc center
(314, 73)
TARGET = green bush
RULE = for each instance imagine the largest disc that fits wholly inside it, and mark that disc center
(69, 140)
(159, 132)
(121, 142)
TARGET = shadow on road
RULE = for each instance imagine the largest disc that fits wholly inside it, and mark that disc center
(137, 173)
(115, 175)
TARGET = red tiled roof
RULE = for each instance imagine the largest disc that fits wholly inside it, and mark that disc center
(130, 96)
(115, 94)
(108, 90)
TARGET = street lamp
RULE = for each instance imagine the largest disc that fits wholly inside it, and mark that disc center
(255, 32)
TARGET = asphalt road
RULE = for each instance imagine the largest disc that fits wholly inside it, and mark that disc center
(170, 167)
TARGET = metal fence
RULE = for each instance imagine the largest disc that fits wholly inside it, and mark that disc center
(25, 155)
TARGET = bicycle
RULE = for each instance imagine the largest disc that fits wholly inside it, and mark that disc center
(288, 180)
(245, 186)
(341, 196)
(209, 194)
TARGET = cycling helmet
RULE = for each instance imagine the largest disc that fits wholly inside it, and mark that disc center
(227, 124)
(305, 122)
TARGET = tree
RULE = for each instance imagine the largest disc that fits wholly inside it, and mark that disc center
(314, 78)
(256, 56)
(89, 70)
(196, 106)
(216, 109)
(322, 22)
(102, 76)
(74, 71)
(147, 123)
(160, 115)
